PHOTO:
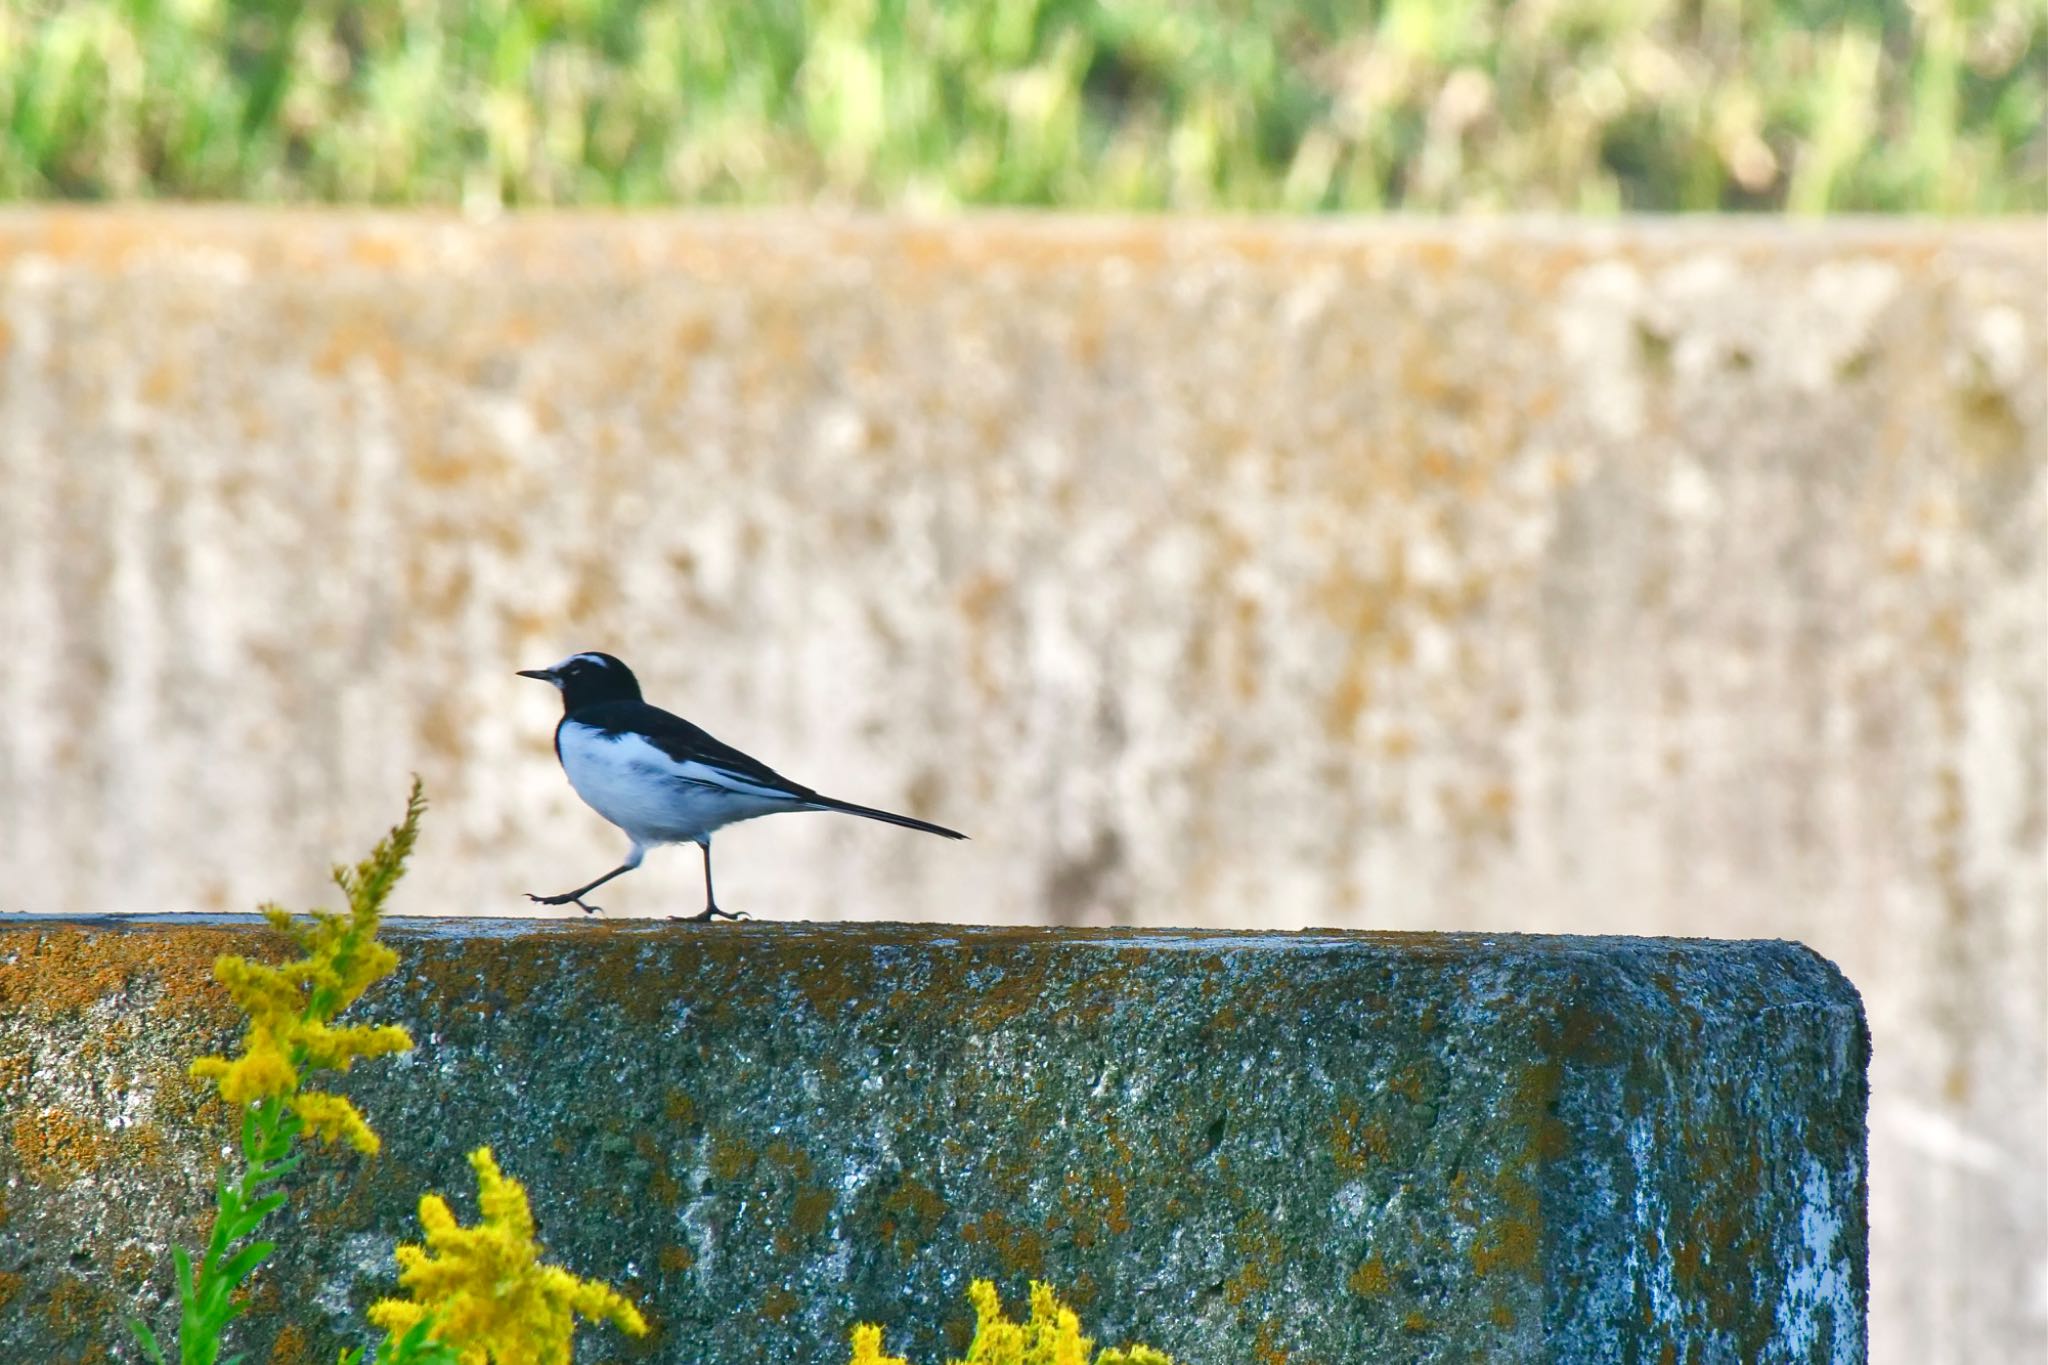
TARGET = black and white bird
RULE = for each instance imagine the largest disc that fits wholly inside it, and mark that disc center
(661, 779)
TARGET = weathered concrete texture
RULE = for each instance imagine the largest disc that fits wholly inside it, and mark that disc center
(1323, 1149)
(1651, 578)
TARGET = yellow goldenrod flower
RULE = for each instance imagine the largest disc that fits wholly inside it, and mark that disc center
(867, 1347)
(1050, 1336)
(260, 1073)
(484, 1289)
(333, 1119)
(291, 1006)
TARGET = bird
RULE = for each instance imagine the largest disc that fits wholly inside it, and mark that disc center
(661, 779)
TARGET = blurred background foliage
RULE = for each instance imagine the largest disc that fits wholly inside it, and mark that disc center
(1571, 105)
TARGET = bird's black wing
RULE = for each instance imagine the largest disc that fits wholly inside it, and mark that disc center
(685, 743)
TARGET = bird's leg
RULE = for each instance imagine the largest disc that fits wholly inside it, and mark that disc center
(576, 897)
(710, 910)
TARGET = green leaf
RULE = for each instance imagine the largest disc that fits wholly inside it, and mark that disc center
(228, 1229)
(150, 1348)
(182, 1259)
(417, 1348)
(245, 1221)
(245, 1262)
(267, 1205)
(212, 1299)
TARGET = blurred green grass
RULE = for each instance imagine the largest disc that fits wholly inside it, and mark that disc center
(1571, 105)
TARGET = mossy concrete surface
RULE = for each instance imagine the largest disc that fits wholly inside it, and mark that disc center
(1320, 1148)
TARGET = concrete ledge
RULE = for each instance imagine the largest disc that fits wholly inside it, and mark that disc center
(1320, 1148)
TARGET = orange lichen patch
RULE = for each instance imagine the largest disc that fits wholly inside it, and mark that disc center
(1265, 1351)
(15, 1068)
(1370, 1280)
(132, 1263)
(440, 726)
(1249, 1280)
(54, 972)
(1356, 1143)
(1020, 1249)
(164, 383)
(360, 340)
(10, 1285)
(675, 1259)
(1508, 1244)
(480, 975)
(910, 1217)
(1083, 1292)
(731, 1156)
(778, 1303)
(1502, 1315)
(1408, 1083)
(1114, 1196)
(1121, 1145)
(74, 1304)
(813, 1206)
(57, 1144)
(978, 598)
(291, 1346)
(1687, 1263)
(660, 1183)
(790, 1158)
(1532, 1104)
(1415, 1322)
(678, 1108)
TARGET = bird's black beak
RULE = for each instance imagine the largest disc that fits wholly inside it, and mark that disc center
(546, 675)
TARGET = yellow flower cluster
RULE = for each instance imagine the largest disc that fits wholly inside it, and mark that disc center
(291, 1007)
(483, 1290)
(1051, 1336)
(867, 1347)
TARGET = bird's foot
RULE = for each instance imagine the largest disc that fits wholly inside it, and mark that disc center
(567, 898)
(709, 913)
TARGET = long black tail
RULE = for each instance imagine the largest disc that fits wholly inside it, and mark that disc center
(886, 817)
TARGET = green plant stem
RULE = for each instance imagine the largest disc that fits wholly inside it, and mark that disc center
(206, 1301)
(269, 1129)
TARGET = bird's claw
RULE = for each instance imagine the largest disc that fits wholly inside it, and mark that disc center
(709, 913)
(576, 901)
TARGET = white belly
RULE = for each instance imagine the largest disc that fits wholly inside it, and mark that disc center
(651, 796)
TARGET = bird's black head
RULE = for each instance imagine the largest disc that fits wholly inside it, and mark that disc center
(589, 678)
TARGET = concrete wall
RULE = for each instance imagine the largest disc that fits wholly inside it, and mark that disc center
(1674, 578)
(1328, 1149)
